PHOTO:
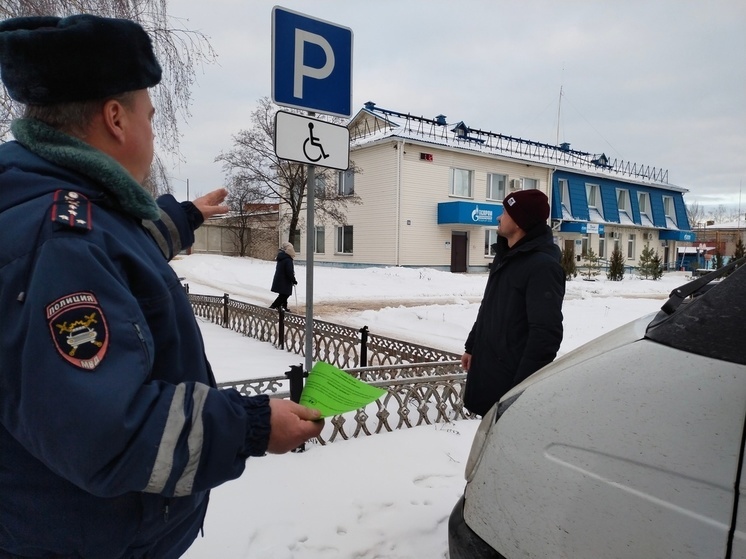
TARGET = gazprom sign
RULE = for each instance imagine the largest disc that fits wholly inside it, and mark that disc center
(469, 213)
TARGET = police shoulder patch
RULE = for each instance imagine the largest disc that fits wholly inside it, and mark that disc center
(71, 210)
(79, 330)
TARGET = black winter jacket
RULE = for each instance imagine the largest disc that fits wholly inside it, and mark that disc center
(519, 325)
(284, 279)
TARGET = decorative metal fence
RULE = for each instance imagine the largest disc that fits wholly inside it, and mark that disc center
(423, 385)
(416, 394)
(341, 346)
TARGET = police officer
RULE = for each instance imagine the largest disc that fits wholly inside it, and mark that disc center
(112, 431)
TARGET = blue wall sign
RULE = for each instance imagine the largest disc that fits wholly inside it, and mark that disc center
(674, 235)
(469, 213)
(582, 227)
(311, 63)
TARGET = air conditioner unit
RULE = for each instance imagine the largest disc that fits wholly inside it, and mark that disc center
(516, 184)
(647, 236)
(615, 235)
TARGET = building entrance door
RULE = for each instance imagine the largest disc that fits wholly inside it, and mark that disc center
(459, 241)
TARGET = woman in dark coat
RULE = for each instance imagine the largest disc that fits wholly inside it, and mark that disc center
(284, 279)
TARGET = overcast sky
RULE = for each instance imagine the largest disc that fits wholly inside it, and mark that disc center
(659, 82)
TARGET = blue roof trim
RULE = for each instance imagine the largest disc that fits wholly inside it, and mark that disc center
(608, 192)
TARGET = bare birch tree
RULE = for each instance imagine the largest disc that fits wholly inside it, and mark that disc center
(179, 50)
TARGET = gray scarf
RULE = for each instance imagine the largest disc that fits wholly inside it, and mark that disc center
(71, 153)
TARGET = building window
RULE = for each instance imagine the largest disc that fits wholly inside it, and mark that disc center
(344, 239)
(346, 183)
(319, 190)
(319, 240)
(530, 184)
(496, 186)
(584, 246)
(622, 200)
(564, 192)
(631, 247)
(461, 183)
(490, 238)
(602, 245)
(644, 201)
(296, 241)
(591, 192)
(668, 208)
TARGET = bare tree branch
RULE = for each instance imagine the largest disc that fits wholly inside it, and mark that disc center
(179, 50)
(252, 164)
(695, 213)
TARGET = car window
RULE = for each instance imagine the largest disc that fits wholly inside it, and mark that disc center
(712, 324)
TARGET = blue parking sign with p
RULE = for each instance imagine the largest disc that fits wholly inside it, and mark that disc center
(311, 63)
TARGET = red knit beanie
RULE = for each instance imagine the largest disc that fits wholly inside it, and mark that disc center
(527, 208)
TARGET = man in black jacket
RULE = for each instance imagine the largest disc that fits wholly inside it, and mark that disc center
(519, 325)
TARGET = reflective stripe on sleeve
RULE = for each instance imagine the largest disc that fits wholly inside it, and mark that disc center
(157, 236)
(164, 460)
(176, 243)
(170, 247)
(194, 441)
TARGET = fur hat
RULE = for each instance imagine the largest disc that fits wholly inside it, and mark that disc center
(288, 249)
(527, 208)
(47, 60)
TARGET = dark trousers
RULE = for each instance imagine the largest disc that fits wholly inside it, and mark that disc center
(280, 302)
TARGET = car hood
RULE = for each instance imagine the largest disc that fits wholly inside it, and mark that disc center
(629, 333)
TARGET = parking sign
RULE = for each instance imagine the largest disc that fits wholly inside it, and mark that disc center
(311, 63)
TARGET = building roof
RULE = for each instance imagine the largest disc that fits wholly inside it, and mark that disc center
(372, 124)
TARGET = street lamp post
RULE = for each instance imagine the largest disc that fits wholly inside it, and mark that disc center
(187, 186)
(704, 251)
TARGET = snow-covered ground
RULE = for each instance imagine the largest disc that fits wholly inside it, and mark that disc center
(388, 495)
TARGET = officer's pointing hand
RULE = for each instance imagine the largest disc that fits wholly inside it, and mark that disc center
(211, 204)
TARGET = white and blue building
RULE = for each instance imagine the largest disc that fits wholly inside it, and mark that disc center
(432, 191)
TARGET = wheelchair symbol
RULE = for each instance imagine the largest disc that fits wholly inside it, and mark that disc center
(314, 141)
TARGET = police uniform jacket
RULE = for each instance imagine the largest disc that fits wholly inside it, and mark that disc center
(518, 328)
(111, 429)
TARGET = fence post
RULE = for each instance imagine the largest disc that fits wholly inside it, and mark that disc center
(364, 346)
(225, 310)
(296, 376)
(281, 328)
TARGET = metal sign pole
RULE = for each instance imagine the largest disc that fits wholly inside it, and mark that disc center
(310, 233)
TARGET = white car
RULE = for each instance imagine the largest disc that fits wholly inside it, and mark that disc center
(631, 446)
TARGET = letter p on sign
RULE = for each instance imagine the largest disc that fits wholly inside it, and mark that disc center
(301, 70)
(311, 63)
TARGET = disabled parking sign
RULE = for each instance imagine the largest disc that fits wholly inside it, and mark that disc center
(311, 63)
(311, 141)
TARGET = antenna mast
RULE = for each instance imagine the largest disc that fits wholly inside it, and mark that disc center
(559, 109)
(559, 105)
